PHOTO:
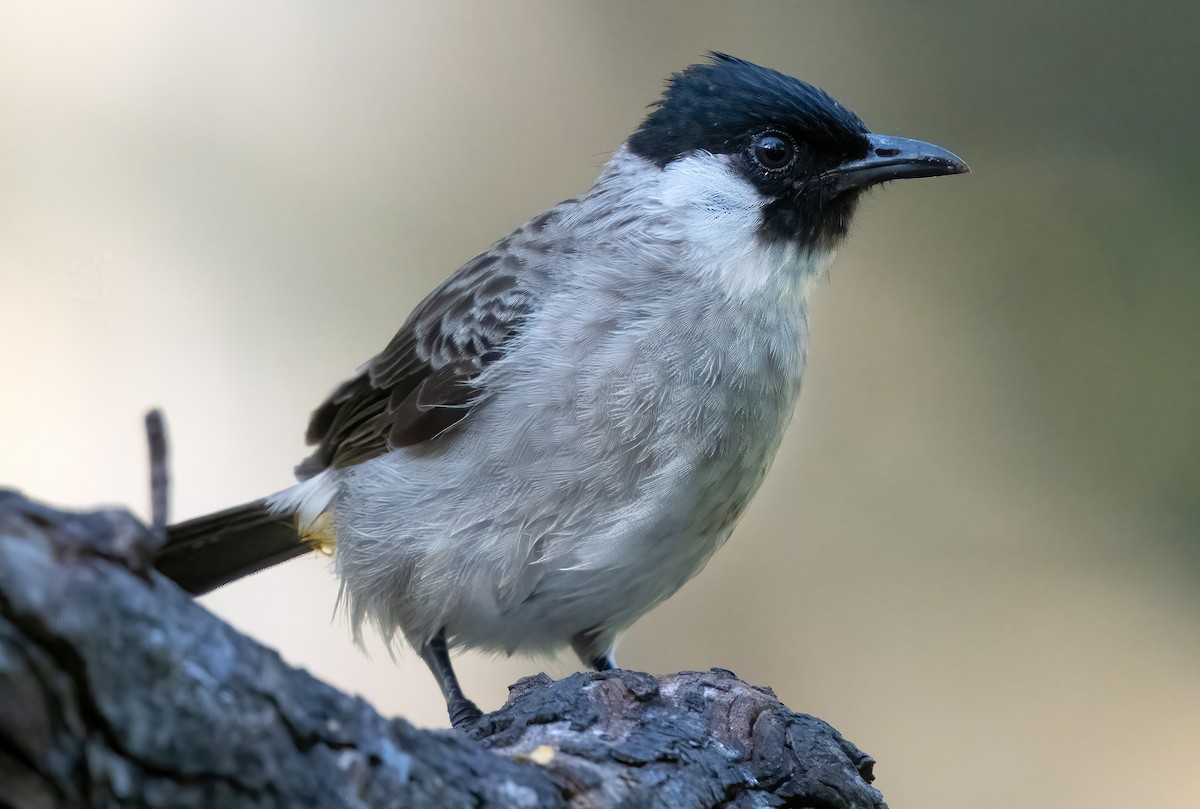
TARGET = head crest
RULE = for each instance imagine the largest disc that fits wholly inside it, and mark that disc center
(714, 105)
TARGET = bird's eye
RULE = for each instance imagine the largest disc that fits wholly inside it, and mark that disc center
(773, 152)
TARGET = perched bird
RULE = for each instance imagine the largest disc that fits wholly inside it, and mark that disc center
(564, 432)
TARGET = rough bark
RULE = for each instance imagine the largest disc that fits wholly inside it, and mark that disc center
(116, 689)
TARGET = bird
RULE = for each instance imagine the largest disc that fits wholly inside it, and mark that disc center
(565, 431)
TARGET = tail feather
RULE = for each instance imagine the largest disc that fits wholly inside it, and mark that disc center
(205, 553)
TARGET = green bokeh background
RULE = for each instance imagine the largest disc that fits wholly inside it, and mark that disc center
(978, 552)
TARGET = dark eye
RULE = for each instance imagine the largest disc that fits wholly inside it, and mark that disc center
(773, 152)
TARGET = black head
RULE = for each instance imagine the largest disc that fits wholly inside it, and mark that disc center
(801, 149)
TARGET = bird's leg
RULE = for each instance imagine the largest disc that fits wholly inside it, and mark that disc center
(595, 649)
(604, 662)
(462, 711)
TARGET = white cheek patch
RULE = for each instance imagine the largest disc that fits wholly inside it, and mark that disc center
(719, 213)
(704, 191)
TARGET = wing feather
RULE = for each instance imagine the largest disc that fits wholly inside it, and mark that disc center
(419, 387)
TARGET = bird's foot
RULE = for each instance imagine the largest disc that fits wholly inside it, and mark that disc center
(604, 662)
(463, 713)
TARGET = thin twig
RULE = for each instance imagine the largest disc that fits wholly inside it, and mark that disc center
(156, 437)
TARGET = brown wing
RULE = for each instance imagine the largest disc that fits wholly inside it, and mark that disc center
(421, 384)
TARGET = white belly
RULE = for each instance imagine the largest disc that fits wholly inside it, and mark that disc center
(579, 494)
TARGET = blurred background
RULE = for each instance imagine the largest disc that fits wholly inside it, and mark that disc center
(977, 554)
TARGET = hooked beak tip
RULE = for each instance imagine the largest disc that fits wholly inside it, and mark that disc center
(893, 158)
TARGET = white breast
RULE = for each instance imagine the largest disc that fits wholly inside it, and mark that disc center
(620, 437)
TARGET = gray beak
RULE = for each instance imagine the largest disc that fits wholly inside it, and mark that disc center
(891, 158)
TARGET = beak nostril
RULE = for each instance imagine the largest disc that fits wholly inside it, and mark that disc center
(886, 152)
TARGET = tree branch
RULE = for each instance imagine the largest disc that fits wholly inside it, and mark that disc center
(117, 689)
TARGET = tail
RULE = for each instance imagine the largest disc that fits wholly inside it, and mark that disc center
(205, 553)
